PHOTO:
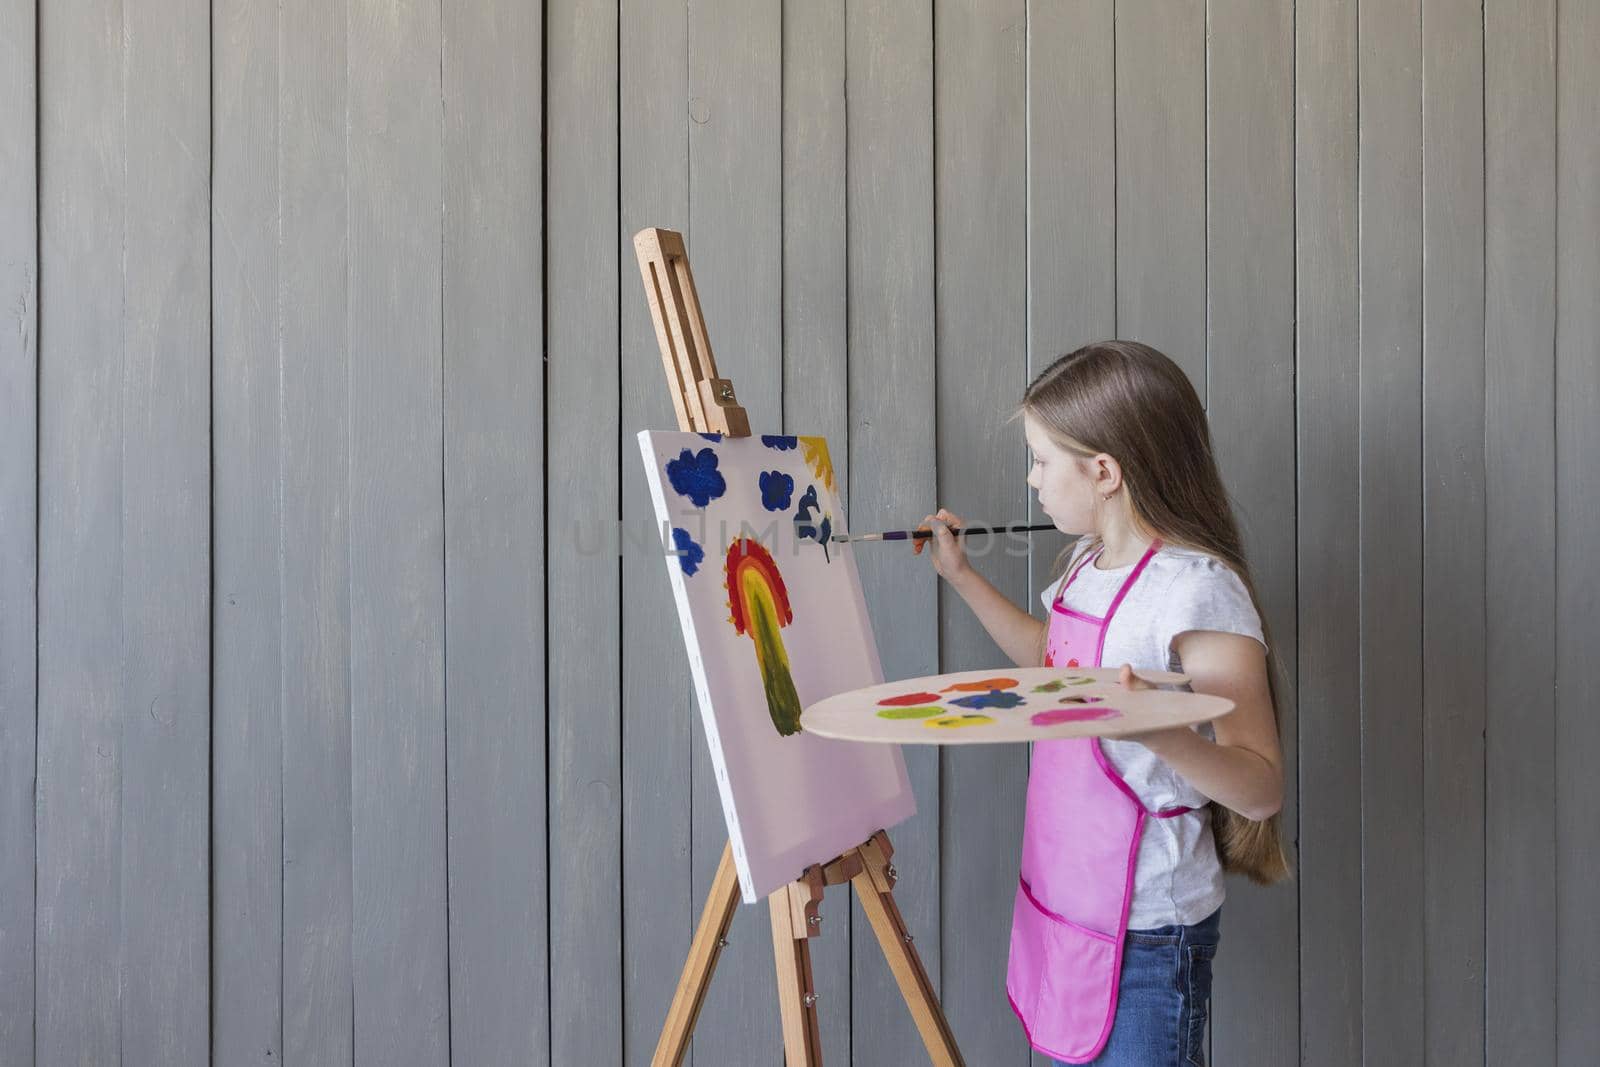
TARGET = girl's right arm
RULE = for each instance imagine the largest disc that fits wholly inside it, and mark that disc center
(1018, 634)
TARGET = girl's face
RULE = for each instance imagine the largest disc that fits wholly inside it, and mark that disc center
(1065, 481)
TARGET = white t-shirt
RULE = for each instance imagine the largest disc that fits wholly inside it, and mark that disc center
(1178, 879)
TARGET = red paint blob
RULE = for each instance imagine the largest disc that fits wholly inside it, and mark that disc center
(908, 700)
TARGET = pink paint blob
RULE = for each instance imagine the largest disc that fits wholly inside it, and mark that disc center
(909, 699)
(1056, 716)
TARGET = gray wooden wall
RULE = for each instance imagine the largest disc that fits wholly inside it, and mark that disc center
(334, 728)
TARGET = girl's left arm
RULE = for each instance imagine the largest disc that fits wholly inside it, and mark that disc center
(1243, 768)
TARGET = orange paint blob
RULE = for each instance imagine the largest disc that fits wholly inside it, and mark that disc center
(982, 685)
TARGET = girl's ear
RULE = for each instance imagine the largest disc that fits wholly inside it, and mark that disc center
(1107, 474)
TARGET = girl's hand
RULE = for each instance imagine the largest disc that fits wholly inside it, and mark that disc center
(1128, 680)
(1152, 738)
(949, 557)
(1243, 768)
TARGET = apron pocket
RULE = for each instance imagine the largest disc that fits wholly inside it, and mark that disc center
(1062, 981)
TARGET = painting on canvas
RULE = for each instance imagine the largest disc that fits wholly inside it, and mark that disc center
(774, 620)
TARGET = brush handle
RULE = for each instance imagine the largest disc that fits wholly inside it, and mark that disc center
(923, 535)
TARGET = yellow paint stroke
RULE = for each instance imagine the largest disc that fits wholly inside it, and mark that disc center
(953, 722)
(815, 451)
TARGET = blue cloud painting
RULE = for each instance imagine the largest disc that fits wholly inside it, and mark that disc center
(695, 475)
(689, 553)
(776, 489)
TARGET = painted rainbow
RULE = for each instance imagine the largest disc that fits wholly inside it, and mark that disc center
(760, 608)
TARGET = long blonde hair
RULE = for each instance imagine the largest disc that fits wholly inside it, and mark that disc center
(1131, 402)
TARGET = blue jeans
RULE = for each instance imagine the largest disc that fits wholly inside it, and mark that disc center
(1164, 997)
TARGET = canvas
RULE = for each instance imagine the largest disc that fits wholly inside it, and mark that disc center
(774, 619)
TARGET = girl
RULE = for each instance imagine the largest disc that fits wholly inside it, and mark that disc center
(1115, 921)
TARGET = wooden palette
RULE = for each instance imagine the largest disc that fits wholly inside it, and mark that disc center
(1007, 706)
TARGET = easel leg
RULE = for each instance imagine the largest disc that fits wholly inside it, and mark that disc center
(797, 1001)
(709, 938)
(875, 889)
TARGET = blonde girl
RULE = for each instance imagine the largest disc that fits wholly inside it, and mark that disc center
(1117, 912)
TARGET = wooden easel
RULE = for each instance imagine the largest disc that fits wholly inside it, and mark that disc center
(706, 403)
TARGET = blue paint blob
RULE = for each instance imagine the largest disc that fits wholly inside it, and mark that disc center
(994, 698)
(776, 489)
(695, 475)
(689, 553)
(811, 525)
(712, 436)
(780, 442)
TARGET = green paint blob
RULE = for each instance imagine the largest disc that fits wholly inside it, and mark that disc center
(909, 713)
(783, 703)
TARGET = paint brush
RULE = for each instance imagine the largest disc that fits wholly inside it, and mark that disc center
(923, 535)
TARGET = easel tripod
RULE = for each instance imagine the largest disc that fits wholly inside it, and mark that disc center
(706, 403)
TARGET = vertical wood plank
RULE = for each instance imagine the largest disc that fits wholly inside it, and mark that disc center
(1453, 652)
(1250, 257)
(1072, 202)
(1577, 398)
(495, 537)
(659, 908)
(1391, 525)
(19, 515)
(246, 745)
(980, 182)
(1328, 502)
(77, 927)
(587, 1018)
(396, 536)
(1072, 206)
(1161, 179)
(815, 235)
(735, 109)
(815, 339)
(1071, 180)
(889, 186)
(1520, 459)
(166, 535)
(315, 544)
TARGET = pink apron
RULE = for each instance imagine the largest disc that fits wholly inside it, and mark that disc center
(1080, 841)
